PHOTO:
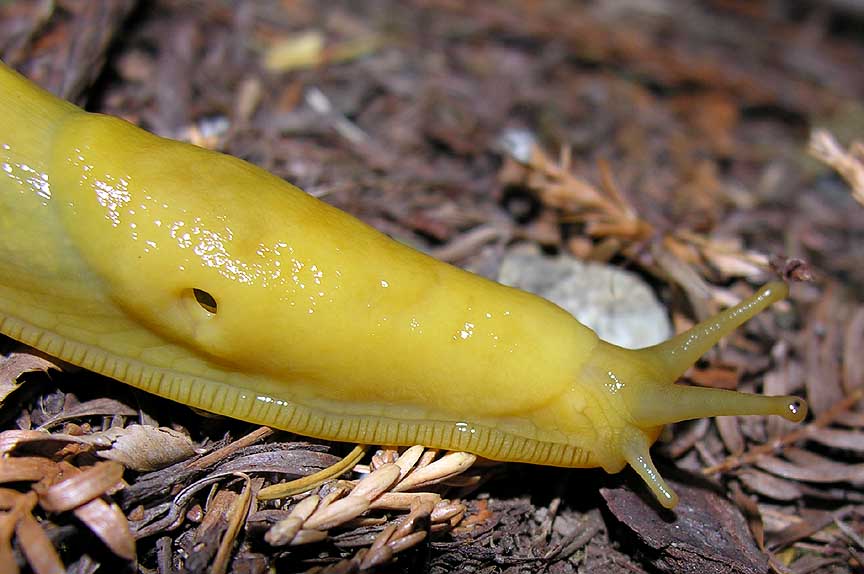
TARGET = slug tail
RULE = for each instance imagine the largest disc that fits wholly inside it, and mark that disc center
(29, 117)
(678, 353)
(636, 452)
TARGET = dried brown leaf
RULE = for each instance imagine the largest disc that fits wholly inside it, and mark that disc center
(730, 433)
(420, 512)
(471, 241)
(750, 509)
(96, 407)
(850, 533)
(604, 210)
(824, 387)
(770, 485)
(805, 523)
(427, 458)
(394, 538)
(10, 440)
(142, 447)
(816, 469)
(376, 557)
(382, 456)
(312, 517)
(853, 358)
(16, 364)
(139, 447)
(697, 290)
(852, 440)
(749, 265)
(686, 437)
(291, 462)
(717, 376)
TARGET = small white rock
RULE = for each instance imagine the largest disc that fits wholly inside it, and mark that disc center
(616, 304)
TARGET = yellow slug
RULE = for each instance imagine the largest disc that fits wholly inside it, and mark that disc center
(199, 277)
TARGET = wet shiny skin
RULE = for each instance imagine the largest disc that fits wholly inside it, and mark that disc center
(321, 325)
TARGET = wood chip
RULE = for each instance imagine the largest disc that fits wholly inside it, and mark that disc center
(705, 533)
(109, 523)
(40, 553)
(24, 469)
(8, 520)
(80, 488)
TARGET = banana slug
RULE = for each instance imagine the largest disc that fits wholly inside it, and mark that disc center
(199, 277)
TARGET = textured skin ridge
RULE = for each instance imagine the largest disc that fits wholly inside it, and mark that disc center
(232, 401)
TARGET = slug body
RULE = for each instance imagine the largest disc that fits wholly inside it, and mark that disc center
(199, 277)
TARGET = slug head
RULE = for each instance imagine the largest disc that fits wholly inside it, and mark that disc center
(635, 394)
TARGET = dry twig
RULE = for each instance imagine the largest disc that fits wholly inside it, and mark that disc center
(849, 163)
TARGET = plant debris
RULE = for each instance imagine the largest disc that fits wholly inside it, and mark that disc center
(707, 533)
(15, 364)
(848, 163)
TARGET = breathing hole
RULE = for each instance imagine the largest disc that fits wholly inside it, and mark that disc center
(205, 300)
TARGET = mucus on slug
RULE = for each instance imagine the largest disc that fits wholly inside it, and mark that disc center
(204, 279)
